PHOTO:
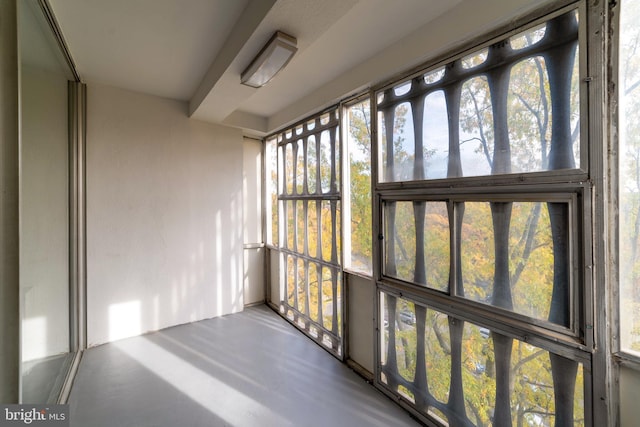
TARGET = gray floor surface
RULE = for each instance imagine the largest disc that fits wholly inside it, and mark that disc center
(248, 369)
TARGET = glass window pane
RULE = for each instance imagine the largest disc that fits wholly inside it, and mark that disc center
(528, 38)
(312, 164)
(400, 240)
(476, 127)
(301, 228)
(475, 59)
(436, 136)
(291, 224)
(289, 167)
(629, 187)
(312, 227)
(47, 308)
(299, 167)
(358, 228)
(537, 100)
(526, 284)
(434, 76)
(417, 243)
(530, 115)
(303, 303)
(532, 260)
(326, 166)
(315, 299)
(328, 297)
(326, 230)
(290, 280)
(437, 240)
(398, 144)
(271, 171)
(497, 381)
(477, 252)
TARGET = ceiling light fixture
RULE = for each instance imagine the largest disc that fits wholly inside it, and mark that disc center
(272, 58)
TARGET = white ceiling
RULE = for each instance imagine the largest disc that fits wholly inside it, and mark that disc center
(195, 50)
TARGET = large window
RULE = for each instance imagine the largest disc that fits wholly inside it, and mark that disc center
(629, 182)
(356, 121)
(485, 314)
(308, 226)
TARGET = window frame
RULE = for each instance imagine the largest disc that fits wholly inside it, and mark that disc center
(587, 180)
(571, 334)
(334, 341)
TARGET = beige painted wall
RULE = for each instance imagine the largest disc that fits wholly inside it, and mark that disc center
(361, 326)
(276, 294)
(629, 397)
(164, 215)
(254, 280)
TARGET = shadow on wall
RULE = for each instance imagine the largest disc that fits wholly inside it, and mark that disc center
(204, 289)
(164, 216)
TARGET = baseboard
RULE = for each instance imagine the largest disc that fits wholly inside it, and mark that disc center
(360, 370)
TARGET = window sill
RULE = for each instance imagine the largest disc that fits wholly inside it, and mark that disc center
(627, 360)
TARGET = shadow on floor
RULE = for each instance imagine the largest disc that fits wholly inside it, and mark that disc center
(247, 369)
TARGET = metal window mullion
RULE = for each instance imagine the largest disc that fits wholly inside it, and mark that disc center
(560, 61)
(417, 112)
(500, 322)
(455, 211)
(334, 302)
(389, 240)
(420, 380)
(334, 260)
(419, 208)
(456, 404)
(295, 249)
(390, 368)
(498, 81)
(310, 258)
(603, 152)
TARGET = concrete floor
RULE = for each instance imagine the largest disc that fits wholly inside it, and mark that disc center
(249, 369)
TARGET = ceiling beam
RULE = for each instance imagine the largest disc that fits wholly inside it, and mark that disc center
(249, 21)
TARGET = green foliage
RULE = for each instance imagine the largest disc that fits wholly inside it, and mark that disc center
(359, 146)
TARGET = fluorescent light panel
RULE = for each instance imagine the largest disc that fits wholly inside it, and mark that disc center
(272, 58)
